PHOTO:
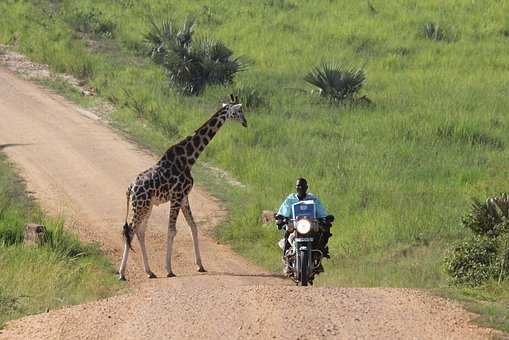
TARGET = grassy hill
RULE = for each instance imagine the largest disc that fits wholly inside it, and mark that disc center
(398, 174)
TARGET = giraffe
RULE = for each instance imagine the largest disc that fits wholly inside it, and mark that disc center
(170, 180)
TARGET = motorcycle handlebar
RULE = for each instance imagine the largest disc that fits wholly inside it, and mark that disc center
(281, 221)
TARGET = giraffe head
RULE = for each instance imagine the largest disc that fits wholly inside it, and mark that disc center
(233, 110)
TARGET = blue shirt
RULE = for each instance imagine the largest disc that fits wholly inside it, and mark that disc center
(286, 208)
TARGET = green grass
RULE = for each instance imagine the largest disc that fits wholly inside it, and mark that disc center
(34, 279)
(398, 174)
(490, 301)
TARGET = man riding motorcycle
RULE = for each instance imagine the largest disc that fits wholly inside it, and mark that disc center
(285, 212)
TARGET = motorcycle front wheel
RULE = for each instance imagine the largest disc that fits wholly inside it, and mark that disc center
(303, 268)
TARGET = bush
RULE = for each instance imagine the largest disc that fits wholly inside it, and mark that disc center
(163, 39)
(485, 255)
(472, 261)
(191, 65)
(488, 218)
(219, 65)
(336, 82)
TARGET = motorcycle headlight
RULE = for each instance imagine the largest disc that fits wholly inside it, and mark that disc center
(303, 226)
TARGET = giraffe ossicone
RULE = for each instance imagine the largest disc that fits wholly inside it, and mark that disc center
(170, 180)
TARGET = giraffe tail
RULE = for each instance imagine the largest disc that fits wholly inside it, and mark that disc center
(127, 231)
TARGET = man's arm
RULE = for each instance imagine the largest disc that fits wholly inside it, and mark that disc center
(282, 214)
(284, 209)
(320, 209)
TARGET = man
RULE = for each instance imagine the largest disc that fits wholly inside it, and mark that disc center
(285, 211)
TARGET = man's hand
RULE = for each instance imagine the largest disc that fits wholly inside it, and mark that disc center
(327, 221)
(280, 221)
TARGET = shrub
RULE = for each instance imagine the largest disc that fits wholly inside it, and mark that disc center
(336, 82)
(485, 255)
(163, 39)
(191, 65)
(488, 218)
(472, 261)
(219, 65)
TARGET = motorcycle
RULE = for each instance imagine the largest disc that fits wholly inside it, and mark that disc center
(306, 234)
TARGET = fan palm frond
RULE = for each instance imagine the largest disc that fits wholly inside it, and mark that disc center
(487, 218)
(159, 39)
(218, 62)
(191, 65)
(336, 82)
(185, 34)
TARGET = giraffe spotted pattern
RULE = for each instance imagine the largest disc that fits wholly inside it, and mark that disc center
(170, 180)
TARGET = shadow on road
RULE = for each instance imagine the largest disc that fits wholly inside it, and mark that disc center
(214, 273)
(5, 146)
(273, 275)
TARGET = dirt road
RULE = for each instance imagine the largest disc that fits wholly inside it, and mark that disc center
(76, 165)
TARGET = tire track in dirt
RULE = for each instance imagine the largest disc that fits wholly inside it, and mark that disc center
(77, 166)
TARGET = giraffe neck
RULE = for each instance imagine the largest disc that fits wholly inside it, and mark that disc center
(187, 151)
(202, 137)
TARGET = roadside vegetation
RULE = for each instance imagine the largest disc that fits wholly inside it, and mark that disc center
(398, 173)
(485, 254)
(61, 271)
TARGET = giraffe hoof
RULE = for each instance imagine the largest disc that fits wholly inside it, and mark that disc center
(121, 278)
(152, 275)
(171, 274)
(201, 270)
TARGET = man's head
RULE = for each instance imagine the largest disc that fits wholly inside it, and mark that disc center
(301, 186)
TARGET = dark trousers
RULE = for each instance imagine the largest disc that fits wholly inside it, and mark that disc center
(326, 234)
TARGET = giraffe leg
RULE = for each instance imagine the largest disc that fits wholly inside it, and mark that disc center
(186, 210)
(140, 216)
(123, 265)
(140, 233)
(172, 231)
(125, 255)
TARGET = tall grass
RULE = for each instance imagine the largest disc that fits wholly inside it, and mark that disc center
(60, 272)
(398, 174)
